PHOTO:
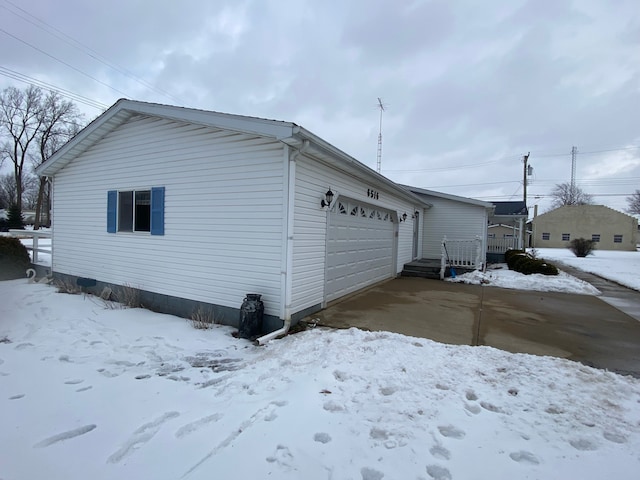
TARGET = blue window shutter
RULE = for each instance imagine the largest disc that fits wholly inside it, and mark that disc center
(157, 211)
(112, 210)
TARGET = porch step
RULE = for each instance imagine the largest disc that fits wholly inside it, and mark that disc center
(424, 268)
(428, 268)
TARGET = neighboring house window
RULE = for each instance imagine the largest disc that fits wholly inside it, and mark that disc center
(566, 237)
(595, 237)
(492, 235)
(546, 236)
(617, 239)
(136, 211)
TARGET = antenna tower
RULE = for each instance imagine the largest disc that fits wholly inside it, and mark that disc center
(574, 153)
(379, 162)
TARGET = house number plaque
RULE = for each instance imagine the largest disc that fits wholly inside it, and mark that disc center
(371, 193)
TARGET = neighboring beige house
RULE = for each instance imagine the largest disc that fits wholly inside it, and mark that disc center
(609, 228)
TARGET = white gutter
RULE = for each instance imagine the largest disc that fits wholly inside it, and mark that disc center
(288, 289)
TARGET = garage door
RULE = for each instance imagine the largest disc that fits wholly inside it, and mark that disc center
(359, 247)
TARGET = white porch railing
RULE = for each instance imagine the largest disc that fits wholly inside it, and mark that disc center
(35, 235)
(461, 253)
(501, 245)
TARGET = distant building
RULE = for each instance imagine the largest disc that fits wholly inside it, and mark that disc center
(609, 228)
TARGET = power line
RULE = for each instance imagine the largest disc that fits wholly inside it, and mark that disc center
(52, 88)
(69, 40)
(62, 62)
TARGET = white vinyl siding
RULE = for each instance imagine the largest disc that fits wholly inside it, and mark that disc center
(223, 213)
(456, 220)
(310, 226)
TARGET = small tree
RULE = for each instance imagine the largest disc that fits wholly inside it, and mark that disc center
(14, 217)
(581, 247)
(634, 203)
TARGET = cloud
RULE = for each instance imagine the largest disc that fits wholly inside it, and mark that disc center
(468, 85)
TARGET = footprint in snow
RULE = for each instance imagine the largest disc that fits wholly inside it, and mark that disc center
(84, 389)
(76, 432)
(322, 437)
(189, 428)
(141, 436)
(524, 457)
(438, 451)
(282, 456)
(73, 382)
(491, 407)
(583, 444)
(371, 474)
(475, 409)
(471, 396)
(438, 473)
(615, 437)
(450, 431)
(17, 397)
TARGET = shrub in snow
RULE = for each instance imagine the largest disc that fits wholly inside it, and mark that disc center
(537, 266)
(581, 247)
(513, 256)
(520, 261)
(14, 217)
(14, 258)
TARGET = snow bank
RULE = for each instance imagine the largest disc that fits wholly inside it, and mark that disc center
(499, 275)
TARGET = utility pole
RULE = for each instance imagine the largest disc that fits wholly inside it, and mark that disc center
(525, 159)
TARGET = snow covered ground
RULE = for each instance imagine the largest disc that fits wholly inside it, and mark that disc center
(94, 392)
(621, 267)
(499, 275)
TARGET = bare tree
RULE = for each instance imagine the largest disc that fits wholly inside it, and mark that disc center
(7, 190)
(634, 203)
(566, 194)
(20, 120)
(60, 121)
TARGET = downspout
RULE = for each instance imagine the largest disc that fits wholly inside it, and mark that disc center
(291, 195)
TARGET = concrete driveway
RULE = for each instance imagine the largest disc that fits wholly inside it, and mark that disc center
(578, 327)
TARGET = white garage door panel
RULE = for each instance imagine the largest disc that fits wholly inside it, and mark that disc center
(359, 248)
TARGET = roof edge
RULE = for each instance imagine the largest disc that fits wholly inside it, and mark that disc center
(448, 196)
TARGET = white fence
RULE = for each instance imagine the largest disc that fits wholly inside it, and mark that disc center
(461, 253)
(35, 235)
(501, 245)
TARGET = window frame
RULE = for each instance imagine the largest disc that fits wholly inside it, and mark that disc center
(566, 237)
(617, 238)
(595, 237)
(546, 236)
(154, 219)
(129, 211)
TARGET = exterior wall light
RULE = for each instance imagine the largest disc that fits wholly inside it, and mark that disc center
(328, 197)
(404, 217)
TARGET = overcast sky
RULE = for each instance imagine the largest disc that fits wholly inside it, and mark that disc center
(469, 86)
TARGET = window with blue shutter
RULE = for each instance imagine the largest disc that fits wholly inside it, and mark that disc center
(112, 210)
(157, 211)
(136, 211)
